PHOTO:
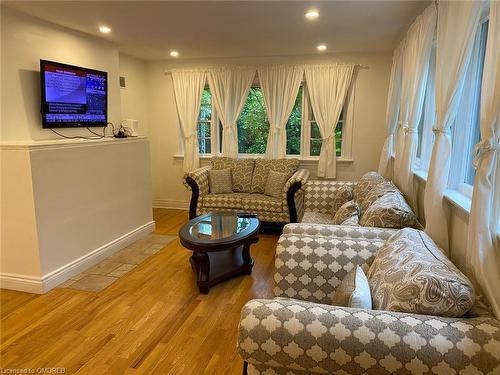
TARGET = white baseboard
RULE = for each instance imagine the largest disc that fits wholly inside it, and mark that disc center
(171, 203)
(49, 281)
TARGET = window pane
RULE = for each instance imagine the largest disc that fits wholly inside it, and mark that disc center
(253, 126)
(206, 106)
(316, 146)
(315, 133)
(205, 145)
(293, 127)
(204, 129)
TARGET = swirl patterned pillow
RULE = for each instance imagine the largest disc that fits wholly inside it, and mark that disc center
(410, 274)
(347, 211)
(342, 195)
(263, 166)
(365, 184)
(390, 211)
(378, 190)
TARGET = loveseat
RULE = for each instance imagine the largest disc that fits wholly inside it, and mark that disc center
(301, 332)
(249, 178)
(377, 202)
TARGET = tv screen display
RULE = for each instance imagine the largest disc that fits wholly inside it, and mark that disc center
(73, 96)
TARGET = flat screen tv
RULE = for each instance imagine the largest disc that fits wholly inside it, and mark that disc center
(73, 96)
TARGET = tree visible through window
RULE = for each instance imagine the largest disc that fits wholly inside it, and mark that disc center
(253, 125)
(293, 127)
(205, 123)
(316, 140)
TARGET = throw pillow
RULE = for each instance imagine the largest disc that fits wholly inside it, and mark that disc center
(354, 290)
(275, 183)
(241, 171)
(342, 195)
(373, 194)
(390, 211)
(346, 211)
(263, 166)
(366, 183)
(352, 221)
(220, 181)
(410, 274)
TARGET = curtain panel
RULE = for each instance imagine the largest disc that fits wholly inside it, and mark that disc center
(229, 87)
(415, 74)
(328, 87)
(280, 85)
(456, 28)
(188, 89)
(392, 111)
(483, 247)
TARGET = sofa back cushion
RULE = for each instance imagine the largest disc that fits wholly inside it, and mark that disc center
(366, 183)
(348, 211)
(341, 196)
(369, 197)
(410, 274)
(241, 171)
(263, 166)
(389, 211)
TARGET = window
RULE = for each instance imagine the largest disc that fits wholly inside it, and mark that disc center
(205, 123)
(466, 130)
(253, 125)
(303, 138)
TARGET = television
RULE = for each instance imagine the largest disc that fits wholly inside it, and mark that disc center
(73, 96)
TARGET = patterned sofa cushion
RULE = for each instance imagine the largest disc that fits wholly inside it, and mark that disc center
(342, 195)
(365, 184)
(390, 211)
(315, 217)
(375, 193)
(226, 201)
(261, 203)
(275, 183)
(241, 170)
(345, 212)
(410, 274)
(263, 166)
(220, 181)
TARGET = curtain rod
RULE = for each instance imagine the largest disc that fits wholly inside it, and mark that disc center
(167, 72)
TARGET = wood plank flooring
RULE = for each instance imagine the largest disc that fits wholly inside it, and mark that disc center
(151, 321)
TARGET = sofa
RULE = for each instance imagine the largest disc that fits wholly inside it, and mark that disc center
(378, 202)
(249, 178)
(301, 332)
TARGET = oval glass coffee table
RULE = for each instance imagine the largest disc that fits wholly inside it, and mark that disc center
(220, 242)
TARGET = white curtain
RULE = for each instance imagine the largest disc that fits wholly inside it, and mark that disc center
(188, 88)
(392, 111)
(415, 74)
(280, 86)
(328, 87)
(483, 247)
(229, 87)
(456, 28)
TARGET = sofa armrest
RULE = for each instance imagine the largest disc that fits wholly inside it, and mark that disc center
(314, 338)
(293, 195)
(339, 231)
(310, 267)
(197, 182)
(319, 194)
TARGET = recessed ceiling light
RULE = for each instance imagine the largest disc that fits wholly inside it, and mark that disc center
(174, 53)
(104, 29)
(321, 47)
(312, 14)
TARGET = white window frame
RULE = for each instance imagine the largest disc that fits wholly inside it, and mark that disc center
(214, 134)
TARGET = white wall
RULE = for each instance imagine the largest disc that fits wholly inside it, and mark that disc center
(26, 40)
(369, 118)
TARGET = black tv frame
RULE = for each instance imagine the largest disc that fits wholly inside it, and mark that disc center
(52, 125)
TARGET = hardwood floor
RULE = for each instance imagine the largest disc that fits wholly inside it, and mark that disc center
(151, 321)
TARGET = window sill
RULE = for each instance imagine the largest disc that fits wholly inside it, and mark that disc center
(310, 161)
(454, 197)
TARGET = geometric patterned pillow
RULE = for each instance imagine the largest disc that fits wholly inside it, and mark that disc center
(390, 211)
(220, 181)
(410, 274)
(241, 171)
(275, 183)
(263, 166)
(342, 195)
(346, 211)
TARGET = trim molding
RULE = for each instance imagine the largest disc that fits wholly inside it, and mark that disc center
(49, 281)
(171, 203)
(50, 144)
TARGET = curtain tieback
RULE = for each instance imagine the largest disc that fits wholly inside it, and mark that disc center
(328, 138)
(442, 131)
(408, 130)
(482, 148)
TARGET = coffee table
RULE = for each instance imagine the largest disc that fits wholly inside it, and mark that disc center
(220, 243)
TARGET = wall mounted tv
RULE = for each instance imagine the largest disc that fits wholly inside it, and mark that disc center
(73, 96)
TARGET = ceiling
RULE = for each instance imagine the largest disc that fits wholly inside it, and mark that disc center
(210, 29)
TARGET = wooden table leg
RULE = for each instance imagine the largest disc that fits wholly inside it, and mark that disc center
(201, 264)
